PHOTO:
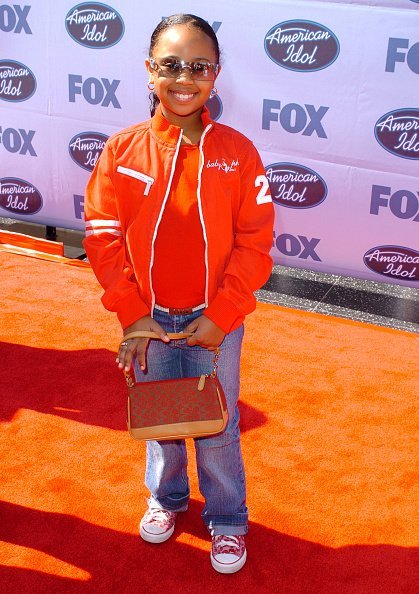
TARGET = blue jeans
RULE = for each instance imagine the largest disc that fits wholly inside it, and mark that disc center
(219, 459)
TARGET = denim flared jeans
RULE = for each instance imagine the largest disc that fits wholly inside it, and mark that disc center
(219, 458)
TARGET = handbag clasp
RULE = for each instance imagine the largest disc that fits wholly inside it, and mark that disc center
(129, 379)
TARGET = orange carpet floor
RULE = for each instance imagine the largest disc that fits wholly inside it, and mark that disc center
(328, 425)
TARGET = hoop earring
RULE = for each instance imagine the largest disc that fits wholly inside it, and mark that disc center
(150, 86)
(214, 91)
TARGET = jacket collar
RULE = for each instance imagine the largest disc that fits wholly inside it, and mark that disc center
(169, 132)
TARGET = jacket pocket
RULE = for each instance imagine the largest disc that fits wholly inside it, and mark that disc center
(149, 181)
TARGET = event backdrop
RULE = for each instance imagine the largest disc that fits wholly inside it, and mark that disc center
(327, 91)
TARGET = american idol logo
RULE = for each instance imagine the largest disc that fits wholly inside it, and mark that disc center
(295, 186)
(19, 196)
(94, 25)
(85, 148)
(393, 261)
(215, 107)
(398, 132)
(17, 81)
(302, 46)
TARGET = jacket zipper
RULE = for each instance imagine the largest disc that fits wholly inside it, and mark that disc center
(153, 296)
(201, 215)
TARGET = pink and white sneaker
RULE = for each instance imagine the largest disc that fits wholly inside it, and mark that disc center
(228, 553)
(157, 525)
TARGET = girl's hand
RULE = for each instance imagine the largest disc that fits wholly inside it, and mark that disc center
(138, 346)
(205, 333)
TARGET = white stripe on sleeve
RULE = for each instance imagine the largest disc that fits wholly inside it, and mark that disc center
(97, 226)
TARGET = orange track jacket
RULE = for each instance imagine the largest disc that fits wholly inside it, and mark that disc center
(124, 202)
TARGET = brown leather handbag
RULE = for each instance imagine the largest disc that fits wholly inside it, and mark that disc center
(176, 408)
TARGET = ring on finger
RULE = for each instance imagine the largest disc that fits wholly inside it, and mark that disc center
(124, 344)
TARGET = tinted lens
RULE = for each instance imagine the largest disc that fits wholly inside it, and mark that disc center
(171, 67)
(201, 70)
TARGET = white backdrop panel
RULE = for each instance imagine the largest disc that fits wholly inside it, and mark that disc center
(314, 122)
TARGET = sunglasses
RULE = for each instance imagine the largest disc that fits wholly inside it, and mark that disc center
(172, 68)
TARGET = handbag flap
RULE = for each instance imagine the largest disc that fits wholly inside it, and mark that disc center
(175, 401)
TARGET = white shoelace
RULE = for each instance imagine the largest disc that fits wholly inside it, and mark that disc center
(228, 541)
(159, 515)
(222, 542)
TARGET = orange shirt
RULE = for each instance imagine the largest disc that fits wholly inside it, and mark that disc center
(179, 251)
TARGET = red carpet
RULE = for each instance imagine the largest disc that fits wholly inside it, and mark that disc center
(328, 419)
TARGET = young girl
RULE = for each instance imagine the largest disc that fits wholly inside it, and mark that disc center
(179, 225)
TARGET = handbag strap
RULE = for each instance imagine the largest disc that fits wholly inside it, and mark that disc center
(172, 336)
(149, 334)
